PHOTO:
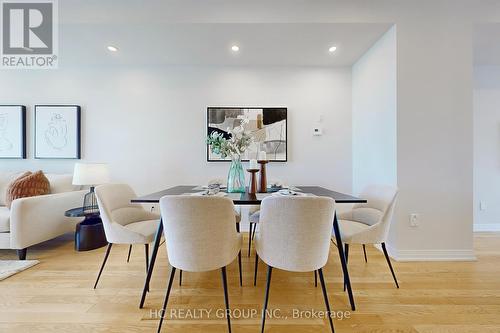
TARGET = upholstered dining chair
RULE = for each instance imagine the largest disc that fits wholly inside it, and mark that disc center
(369, 223)
(237, 215)
(237, 209)
(200, 236)
(253, 221)
(254, 216)
(294, 235)
(124, 223)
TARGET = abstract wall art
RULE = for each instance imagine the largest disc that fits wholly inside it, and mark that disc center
(57, 131)
(12, 131)
(267, 125)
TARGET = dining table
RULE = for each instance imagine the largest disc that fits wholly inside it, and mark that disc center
(243, 199)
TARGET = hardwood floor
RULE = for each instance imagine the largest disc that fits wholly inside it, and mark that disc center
(57, 294)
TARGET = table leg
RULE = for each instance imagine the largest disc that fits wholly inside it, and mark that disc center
(340, 247)
(156, 245)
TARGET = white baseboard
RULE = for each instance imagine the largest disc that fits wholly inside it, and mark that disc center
(485, 227)
(429, 255)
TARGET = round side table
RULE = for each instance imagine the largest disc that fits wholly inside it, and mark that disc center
(89, 234)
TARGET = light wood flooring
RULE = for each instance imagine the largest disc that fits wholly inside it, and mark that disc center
(57, 295)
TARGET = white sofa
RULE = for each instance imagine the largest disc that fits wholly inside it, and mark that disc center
(33, 220)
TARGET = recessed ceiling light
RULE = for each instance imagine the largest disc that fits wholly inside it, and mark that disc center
(112, 48)
(332, 49)
(235, 48)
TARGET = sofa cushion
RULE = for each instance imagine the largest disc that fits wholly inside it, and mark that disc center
(5, 179)
(60, 183)
(4, 219)
(28, 186)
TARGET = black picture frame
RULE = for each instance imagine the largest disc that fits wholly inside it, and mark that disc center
(77, 134)
(281, 108)
(22, 131)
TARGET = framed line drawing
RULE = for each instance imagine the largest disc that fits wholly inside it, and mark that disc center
(12, 131)
(57, 131)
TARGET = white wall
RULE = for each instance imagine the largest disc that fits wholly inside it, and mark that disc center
(374, 115)
(149, 124)
(434, 105)
(487, 148)
(434, 84)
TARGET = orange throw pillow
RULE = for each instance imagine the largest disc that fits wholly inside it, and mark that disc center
(27, 185)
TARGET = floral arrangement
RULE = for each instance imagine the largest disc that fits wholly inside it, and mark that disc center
(235, 146)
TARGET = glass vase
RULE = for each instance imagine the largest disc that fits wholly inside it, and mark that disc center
(236, 176)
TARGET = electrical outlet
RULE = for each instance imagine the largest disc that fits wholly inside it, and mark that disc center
(482, 205)
(413, 220)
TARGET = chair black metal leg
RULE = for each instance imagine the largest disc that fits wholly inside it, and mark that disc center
(266, 299)
(364, 251)
(103, 263)
(239, 268)
(254, 228)
(169, 287)
(340, 248)
(325, 296)
(146, 251)
(346, 251)
(315, 278)
(129, 251)
(255, 270)
(180, 277)
(226, 298)
(250, 239)
(390, 265)
(156, 245)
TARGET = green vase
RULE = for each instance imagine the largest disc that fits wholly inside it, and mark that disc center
(236, 176)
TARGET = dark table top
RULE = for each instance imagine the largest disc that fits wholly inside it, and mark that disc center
(79, 212)
(247, 198)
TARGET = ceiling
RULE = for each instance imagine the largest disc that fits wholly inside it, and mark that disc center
(261, 44)
(487, 44)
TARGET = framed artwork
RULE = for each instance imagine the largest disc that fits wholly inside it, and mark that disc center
(267, 125)
(57, 131)
(12, 131)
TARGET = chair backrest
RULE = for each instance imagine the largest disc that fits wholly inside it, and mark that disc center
(200, 232)
(294, 232)
(379, 200)
(115, 207)
(377, 212)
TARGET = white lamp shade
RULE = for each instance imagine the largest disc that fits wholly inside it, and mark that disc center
(90, 174)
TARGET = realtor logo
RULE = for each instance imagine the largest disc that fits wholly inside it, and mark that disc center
(29, 34)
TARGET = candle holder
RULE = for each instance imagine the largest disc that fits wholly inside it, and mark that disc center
(263, 176)
(252, 188)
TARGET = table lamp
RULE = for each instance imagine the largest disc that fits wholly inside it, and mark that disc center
(90, 174)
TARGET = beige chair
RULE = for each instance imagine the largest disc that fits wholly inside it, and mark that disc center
(201, 236)
(369, 223)
(253, 221)
(294, 235)
(124, 223)
(254, 215)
